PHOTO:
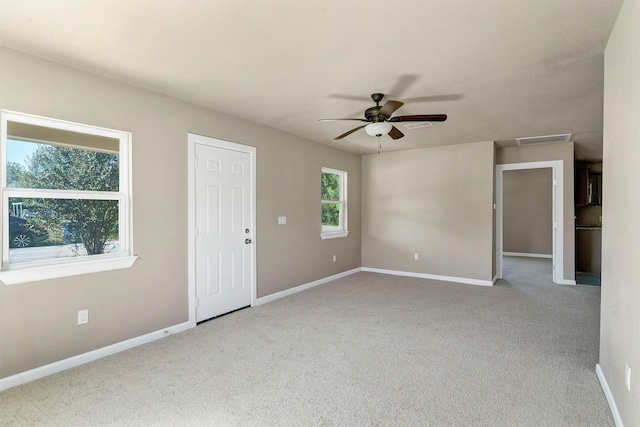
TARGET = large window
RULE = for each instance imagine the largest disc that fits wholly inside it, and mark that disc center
(65, 198)
(334, 203)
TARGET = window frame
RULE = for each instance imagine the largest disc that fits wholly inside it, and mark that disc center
(62, 267)
(342, 229)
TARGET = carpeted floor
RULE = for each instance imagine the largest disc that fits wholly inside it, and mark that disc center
(365, 350)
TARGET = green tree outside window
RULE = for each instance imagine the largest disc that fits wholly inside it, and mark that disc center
(94, 222)
(332, 203)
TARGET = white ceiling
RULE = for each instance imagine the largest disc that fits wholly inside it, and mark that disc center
(500, 69)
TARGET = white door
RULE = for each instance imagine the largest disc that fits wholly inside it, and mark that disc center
(223, 242)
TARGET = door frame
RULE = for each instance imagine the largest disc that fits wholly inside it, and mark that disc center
(557, 167)
(194, 139)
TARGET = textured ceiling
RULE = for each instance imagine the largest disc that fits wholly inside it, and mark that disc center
(500, 69)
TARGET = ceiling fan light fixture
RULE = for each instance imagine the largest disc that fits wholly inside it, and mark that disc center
(378, 128)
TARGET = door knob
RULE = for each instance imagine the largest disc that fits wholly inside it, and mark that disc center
(247, 241)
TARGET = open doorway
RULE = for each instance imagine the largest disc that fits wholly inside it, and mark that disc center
(557, 209)
(527, 214)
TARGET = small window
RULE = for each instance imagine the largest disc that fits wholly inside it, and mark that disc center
(334, 203)
(65, 199)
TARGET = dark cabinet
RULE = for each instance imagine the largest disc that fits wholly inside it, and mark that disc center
(588, 216)
(581, 186)
(594, 195)
(588, 249)
(588, 186)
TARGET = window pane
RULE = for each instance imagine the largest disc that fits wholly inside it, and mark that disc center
(331, 214)
(44, 229)
(55, 167)
(330, 186)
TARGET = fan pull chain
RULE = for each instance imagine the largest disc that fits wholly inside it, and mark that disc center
(379, 145)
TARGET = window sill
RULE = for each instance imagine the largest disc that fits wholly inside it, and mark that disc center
(333, 234)
(33, 274)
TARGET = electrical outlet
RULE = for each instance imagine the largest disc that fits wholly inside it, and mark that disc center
(415, 256)
(334, 258)
(627, 376)
(282, 220)
(83, 317)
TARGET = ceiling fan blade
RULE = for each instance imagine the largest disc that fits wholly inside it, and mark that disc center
(403, 83)
(389, 107)
(335, 120)
(395, 133)
(420, 118)
(350, 132)
(435, 98)
(350, 97)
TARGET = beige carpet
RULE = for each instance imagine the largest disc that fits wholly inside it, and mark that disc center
(366, 350)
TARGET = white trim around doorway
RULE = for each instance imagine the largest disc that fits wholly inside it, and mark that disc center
(557, 167)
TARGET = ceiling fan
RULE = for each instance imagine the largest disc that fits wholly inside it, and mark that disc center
(380, 121)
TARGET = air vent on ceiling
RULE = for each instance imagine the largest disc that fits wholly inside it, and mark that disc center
(548, 139)
(418, 125)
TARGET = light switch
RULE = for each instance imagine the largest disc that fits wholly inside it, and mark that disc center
(282, 220)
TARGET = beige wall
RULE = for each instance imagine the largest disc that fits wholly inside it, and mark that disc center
(527, 211)
(289, 174)
(620, 306)
(436, 202)
(547, 152)
(38, 320)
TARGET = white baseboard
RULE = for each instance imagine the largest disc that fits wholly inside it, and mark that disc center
(80, 359)
(566, 282)
(430, 276)
(527, 255)
(495, 279)
(52, 368)
(609, 396)
(286, 292)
